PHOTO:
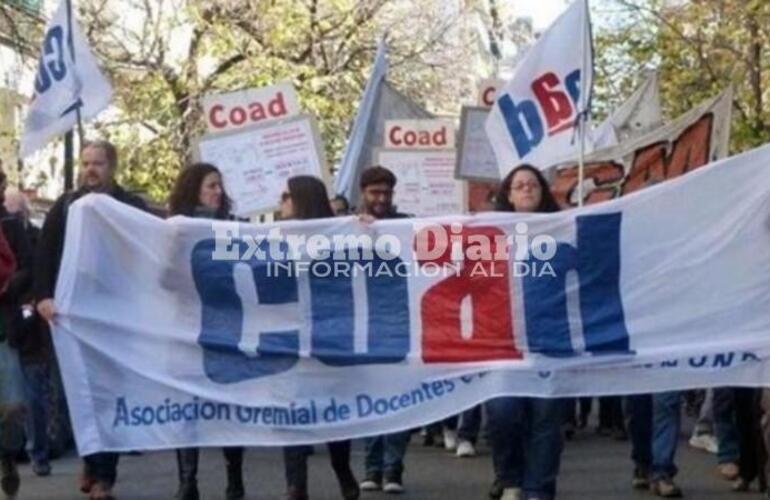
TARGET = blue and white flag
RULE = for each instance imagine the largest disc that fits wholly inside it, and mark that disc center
(534, 119)
(380, 102)
(346, 182)
(68, 80)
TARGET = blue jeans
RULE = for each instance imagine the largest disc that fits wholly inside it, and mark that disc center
(725, 428)
(654, 425)
(470, 424)
(526, 439)
(385, 454)
(36, 381)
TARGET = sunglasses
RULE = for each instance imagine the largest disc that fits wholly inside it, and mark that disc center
(285, 196)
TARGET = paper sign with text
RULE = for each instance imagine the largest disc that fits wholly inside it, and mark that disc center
(234, 110)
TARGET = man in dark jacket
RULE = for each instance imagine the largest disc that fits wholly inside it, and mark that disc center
(98, 163)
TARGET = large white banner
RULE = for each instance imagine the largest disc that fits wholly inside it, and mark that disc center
(68, 80)
(221, 333)
(535, 114)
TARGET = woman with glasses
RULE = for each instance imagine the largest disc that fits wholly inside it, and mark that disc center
(525, 433)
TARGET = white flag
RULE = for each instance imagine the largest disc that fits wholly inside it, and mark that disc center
(68, 79)
(638, 114)
(380, 102)
(534, 118)
(347, 176)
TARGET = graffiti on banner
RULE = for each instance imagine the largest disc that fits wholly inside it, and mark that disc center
(695, 139)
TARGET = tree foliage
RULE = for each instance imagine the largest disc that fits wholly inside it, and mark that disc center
(700, 48)
(165, 55)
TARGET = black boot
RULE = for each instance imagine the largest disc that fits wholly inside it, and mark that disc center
(348, 485)
(339, 452)
(9, 477)
(234, 461)
(187, 463)
(188, 490)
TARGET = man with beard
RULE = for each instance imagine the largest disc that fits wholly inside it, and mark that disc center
(98, 163)
(384, 454)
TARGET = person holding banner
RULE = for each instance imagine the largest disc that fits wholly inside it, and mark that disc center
(306, 198)
(199, 192)
(654, 423)
(98, 165)
(525, 433)
(14, 263)
(384, 454)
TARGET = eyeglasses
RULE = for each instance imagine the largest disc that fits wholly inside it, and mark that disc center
(379, 193)
(521, 186)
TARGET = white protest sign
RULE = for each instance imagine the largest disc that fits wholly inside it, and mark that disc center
(488, 90)
(256, 162)
(426, 185)
(424, 134)
(234, 110)
(476, 159)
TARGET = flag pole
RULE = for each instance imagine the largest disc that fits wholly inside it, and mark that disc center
(583, 113)
(71, 43)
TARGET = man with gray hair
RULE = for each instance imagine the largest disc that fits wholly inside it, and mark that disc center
(98, 165)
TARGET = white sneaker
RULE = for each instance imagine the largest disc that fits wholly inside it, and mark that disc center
(465, 449)
(705, 442)
(450, 440)
(511, 494)
(393, 488)
(370, 485)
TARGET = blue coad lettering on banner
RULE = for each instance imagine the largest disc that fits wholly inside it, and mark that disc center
(222, 315)
(333, 310)
(596, 259)
(332, 315)
(52, 66)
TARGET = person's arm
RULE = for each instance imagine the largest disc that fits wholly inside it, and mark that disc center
(7, 262)
(18, 240)
(48, 258)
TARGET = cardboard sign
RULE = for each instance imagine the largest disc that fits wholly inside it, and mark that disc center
(419, 134)
(425, 184)
(476, 159)
(256, 162)
(488, 91)
(235, 110)
(696, 138)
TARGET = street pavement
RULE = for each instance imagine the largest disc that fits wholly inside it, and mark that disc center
(593, 468)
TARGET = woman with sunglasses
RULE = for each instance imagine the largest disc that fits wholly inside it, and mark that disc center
(306, 198)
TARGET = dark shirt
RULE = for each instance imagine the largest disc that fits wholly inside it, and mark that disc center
(51, 244)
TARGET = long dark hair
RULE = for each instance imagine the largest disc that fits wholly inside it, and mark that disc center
(309, 198)
(547, 201)
(184, 199)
